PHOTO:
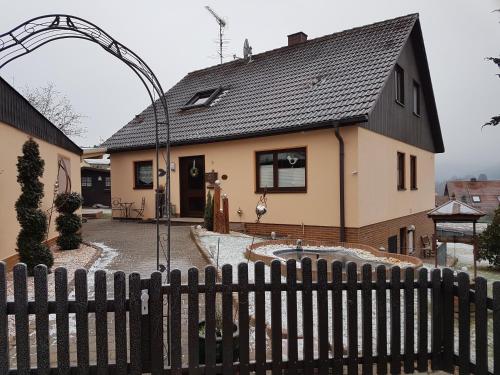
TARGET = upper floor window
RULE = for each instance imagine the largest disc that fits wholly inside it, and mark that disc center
(416, 98)
(413, 172)
(401, 171)
(143, 174)
(399, 78)
(281, 170)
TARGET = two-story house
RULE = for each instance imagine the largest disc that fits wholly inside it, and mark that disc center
(340, 131)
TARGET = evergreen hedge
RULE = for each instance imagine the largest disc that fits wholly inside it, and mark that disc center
(32, 251)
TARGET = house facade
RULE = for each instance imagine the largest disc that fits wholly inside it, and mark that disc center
(339, 131)
(18, 122)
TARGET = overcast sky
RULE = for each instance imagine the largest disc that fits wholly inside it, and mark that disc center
(176, 37)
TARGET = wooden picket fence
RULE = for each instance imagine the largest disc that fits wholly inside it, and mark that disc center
(408, 321)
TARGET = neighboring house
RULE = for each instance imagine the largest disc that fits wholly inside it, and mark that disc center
(96, 179)
(18, 122)
(483, 195)
(341, 131)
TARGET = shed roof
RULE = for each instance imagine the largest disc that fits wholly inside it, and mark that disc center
(334, 78)
(454, 210)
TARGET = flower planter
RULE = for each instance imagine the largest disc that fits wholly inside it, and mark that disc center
(218, 344)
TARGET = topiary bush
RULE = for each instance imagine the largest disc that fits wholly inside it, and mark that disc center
(32, 251)
(68, 224)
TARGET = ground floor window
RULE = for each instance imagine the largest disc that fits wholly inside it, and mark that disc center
(143, 174)
(86, 181)
(107, 182)
(281, 170)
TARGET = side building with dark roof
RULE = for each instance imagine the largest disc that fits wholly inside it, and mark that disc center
(340, 132)
(19, 121)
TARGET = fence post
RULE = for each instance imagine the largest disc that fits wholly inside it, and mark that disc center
(156, 323)
(175, 322)
(135, 318)
(82, 321)
(276, 326)
(395, 320)
(463, 323)
(423, 324)
(322, 315)
(437, 320)
(352, 318)
(193, 321)
(243, 318)
(307, 316)
(42, 319)
(62, 320)
(101, 322)
(291, 315)
(120, 322)
(381, 320)
(227, 319)
(448, 320)
(409, 343)
(260, 319)
(338, 328)
(4, 321)
(367, 319)
(210, 341)
(22, 322)
(496, 327)
(481, 322)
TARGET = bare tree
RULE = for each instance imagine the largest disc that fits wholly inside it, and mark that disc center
(495, 120)
(57, 108)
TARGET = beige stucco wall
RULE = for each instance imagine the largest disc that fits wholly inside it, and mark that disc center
(236, 159)
(11, 142)
(379, 198)
(370, 178)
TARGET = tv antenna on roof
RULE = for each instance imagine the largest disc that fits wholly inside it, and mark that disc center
(222, 24)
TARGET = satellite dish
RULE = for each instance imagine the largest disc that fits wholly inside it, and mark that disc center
(247, 50)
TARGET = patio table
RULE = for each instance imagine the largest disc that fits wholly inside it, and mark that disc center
(126, 208)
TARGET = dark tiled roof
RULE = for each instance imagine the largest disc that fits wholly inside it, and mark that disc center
(332, 78)
(16, 111)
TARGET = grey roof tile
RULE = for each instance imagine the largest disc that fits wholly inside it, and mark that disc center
(337, 77)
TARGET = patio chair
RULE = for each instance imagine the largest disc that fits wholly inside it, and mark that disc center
(116, 205)
(426, 246)
(140, 210)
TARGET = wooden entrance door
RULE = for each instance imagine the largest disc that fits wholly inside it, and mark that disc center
(192, 185)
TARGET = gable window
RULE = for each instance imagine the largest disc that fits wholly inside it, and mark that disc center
(413, 172)
(401, 171)
(202, 98)
(143, 174)
(86, 181)
(399, 78)
(281, 170)
(476, 199)
(416, 98)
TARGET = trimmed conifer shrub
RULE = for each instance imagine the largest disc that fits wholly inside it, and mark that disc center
(33, 221)
(489, 242)
(68, 224)
(208, 217)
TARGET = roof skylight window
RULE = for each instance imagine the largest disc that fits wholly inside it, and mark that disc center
(202, 98)
(476, 199)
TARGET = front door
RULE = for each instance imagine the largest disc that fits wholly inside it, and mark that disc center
(192, 185)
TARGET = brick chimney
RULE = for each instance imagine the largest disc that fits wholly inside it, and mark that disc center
(297, 38)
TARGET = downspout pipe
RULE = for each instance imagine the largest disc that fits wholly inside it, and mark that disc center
(341, 182)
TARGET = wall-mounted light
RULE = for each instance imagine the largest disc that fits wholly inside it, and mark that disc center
(172, 166)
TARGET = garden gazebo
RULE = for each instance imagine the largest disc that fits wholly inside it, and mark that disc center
(455, 211)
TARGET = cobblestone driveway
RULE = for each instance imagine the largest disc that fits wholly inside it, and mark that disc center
(136, 246)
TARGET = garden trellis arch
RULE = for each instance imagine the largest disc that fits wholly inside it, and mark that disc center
(38, 31)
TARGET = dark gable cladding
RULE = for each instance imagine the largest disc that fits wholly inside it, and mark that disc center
(332, 79)
(16, 111)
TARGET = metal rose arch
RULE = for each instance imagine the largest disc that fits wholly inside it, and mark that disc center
(36, 32)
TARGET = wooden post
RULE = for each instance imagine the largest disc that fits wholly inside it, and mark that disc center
(217, 207)
(434, 245)
(225, 214)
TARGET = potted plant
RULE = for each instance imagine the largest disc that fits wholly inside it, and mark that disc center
(218, 339)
